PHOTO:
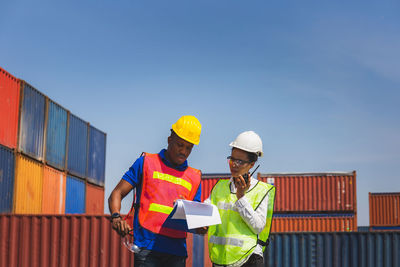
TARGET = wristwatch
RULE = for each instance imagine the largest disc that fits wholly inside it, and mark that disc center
(115, 215)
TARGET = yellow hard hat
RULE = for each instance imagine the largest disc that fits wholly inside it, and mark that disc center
(188, 128)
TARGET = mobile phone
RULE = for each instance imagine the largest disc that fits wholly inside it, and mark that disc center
(246, 177)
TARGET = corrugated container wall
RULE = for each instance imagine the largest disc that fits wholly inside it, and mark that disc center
(31, 128)
(28, 186)
(384, 209)
(94, 199)
(97, 156)
(199, 252)
(208, 180)
(328, 250)
(334, 250)
(7, 168)
(384, 228)
(75, 198)
(77, 146)
(313, 192)
(56, 135)
(339, 223)
(54, 187)
(9, 109)
(64, 241)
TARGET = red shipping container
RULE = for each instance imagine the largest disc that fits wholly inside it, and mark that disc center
(94, 199)
(384, 209)
(208, 181)
(313, 192)
(60, 240)
(9, 109)
(314, 224)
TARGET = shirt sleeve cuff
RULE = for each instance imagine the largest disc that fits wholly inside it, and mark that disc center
(242, 203)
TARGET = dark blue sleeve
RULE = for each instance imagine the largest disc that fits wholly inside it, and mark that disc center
(134, 174)
(197, 197)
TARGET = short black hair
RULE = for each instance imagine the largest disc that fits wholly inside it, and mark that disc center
(172, 133)
(253, 157)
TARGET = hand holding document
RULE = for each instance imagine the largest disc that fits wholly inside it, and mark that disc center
(195, 213)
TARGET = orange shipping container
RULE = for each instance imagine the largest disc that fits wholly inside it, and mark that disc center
(9, 109)
(54, 184)
(313, 192)
(94, 199)
(384, 209)
(28, 185)
(314, 224)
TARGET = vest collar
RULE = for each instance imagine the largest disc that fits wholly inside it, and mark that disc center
(181, 167)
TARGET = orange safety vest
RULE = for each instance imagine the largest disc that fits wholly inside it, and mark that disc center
(161, 186)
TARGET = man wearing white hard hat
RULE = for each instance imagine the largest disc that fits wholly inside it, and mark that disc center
(245, 205)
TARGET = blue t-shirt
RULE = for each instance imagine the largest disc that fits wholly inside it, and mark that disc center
(142, 237)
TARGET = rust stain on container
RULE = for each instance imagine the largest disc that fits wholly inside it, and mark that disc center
(384, 209)
(9, 109)
(94, 199)
(28, 185)
(54, 186)
(314, 224)
(313, 192)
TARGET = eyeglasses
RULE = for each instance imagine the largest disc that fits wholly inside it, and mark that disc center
(238, 162)
(127, 240)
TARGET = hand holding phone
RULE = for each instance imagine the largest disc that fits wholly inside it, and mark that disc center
(246, 177)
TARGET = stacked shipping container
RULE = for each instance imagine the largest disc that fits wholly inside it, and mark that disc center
(304, 202)
(9, 109)
(49, 159)
(313, 202)
(384, 211)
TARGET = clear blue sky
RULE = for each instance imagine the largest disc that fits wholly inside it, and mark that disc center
(319, 81)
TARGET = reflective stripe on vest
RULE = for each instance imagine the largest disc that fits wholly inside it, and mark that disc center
(172, 179)
(225, 205)
(160, 208)
(232, 241)
(161, 186)
(219, 240)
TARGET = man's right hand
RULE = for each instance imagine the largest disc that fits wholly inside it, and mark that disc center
(121, 226)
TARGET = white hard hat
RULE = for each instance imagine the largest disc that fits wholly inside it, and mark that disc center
(248, 141)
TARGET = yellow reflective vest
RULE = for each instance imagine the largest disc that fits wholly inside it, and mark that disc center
(232, 241)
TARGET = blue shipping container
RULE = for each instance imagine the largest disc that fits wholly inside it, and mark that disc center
(333, 249)
(56, 135)
(31, 129)
(327, 250)
(7, 168)
(75, 196)
(198, 251)
(97, 156)
(77, 146)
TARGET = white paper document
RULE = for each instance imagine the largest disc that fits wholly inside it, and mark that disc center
(196, 214)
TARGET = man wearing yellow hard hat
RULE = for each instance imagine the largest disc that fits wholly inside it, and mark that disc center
(159, 179)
